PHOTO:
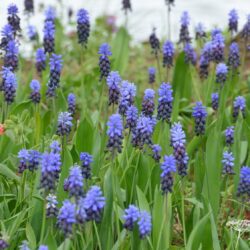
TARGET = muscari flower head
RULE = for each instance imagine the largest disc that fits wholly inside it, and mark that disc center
(43, 247)
(32, 32)
(233, 20)
(9, 87)
(24, 245)
(33, 160)
(66, 217)
(131, 117)
(115, 133)
(35, 87)
(81, 215)
(83, 26)
(49, 37)
(168, 167)
(218, 46)
(206, 56)
(104, 62)
(29, 6)
(168, 54)
(51, 206)
(131, 216)
(7, 35)
(126, 6)
(71, 103)
(215, 100)
(50, 14)
(215, 31)
(144, 224)
(3, 244)
(246, 29)
(64, 123)
(23, 156)
(151, 75)
(184, 32)
(229, 135)
(94, 203)
(244, 184)
(55, 147)
(148, 104)
(113, 82)
(199, 114)
(11, 55)
(200, 31)
(165, 102)
(156, 152)
(190, 54)
(239, 105)
(228, 163)
(221, 73)
(234, 56)
(13, 18)
(86, 160)
(40, 60)
(154, 42)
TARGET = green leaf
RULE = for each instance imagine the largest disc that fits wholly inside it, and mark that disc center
(143, 203)
(30, 236)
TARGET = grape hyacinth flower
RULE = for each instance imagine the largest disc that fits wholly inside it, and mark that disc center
(205, 60)
(29, 6)
(23, 156)
(233, 20)
(49, 37)
(218, 46)
(7, 35)
(50, 14)
(178, 142)
(24, 245)
(4, 73)
(244, 184)
(184, 32)
(126, 6)
(165, 102)
(104, 62)
(169, 3)
(81, 215)
(35, 95)
(11, 55)
(246, 29)
(228, 163)
(131, 117)
(221, 73)
(55, 147)
(168, 167)
(229, 136)
(67, 217)
(234, 56)
(239, 105)
(148, 104)
(74, 183)
(64, 124)
(51, 206)
(33, 160)
(3, 244)
(154, 42)
(151, 75)
(168, 54)
(43, 247)
(40, 60)
(215, 100)
(94, 203)
(190, 54)
(156, 150)
(13, 18)
(113, 82)
(144, 224)
(71, 103)
(32, 32)
(83, 26)
(200, 32)
(215, 32)
(9, 87)
(199, 114)
(131, 216)
(86, 160)
(115, 133)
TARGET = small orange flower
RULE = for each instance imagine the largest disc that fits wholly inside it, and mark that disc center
(1, 129)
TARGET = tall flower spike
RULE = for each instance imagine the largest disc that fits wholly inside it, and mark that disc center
(115, 133)
(51, 206)
(49, 37)
(126, 6)
(239, 105)
(83, 26)
(13, 18)
(32, 32)
(190, 54)
(244, 184)
(205, 60)
(200, 32)
(154, 42)
(35, 95)
(113, 82)
(215, 100)
(228, 163)
(7, 35)
(34, 160)
(50, 14)
(67, 217)
(104, 62)
(144, 224)
(156, 152)
(64, 124)
(199, 114)
(71, 103)
(29, 6)
(86, 160)
(9, 87)
(151, 75)
(245, 34)
(23, 156)
(94, 203)
(218, 46)
(131, 117)
(184, 32)
(40, 60)
(11, 55)
(3, 244)
(229, 136)
(233, 20)
(148, 104)
(165, 102)
(131, 216)
(221, 73)
(168, 54)
(234, 56)
(168, 167)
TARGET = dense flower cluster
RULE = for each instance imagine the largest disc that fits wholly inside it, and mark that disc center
(246, 29)
(13, 18)
(228, 163)
(199, 114)
(126, 6)
(9, 86)
(86, 160)
(151, 75)
(218, 46)
(71, 103)
(168, 54)
(184, 32)
(29, 6)
(234, 56)
(190, 54)
(11, 55)
(239, 105)
(40, 60)
(200, 32)
(51, 206)
(49, 36)
(104, 62)
(215, 100)
(7, 35)
(83, 26)
(233, 21)
(131, 117)
(113, 82)
(221, 73)
(64, 123)
(205, 60)
(156, 150)
(148, 104)
(154, 42)
(244, 184)
(35, 95)
(229, 136)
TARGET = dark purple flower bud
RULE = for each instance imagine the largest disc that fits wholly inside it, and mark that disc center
(169, 3)
(94, 203)
(50, 14)
(156, 149)
(43, 247)
(239, 105)
(200, 32)
(215, 100)
(199, 114)
(221, 73)
(32, 32)
(67, 217)
(245, 34)
(40, 60)
(11, 55)
(23, 156)
(165, 102)
(144, 224)
(35, 95)
(71, 103)
(131, 117)
(49, 37)
(83, 27)
(190, 54)
(131, 216)
(233, 20)
(244, 184)
(148, 104)
(64, 124)
(9, 87)
(228, 163)
(126, 6)
(229, 136)
(29, 6)
(168, 54)
(113, 82)
(3, 244)
(151, 75)
(7, 35)
(51, 206)
(115, 133)
(34, 160)
(104, 62)
(154, 42)
(218, 46)
(13, 18)
(184, 32)
(234, 56)
(205, 60)
(86, 160)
